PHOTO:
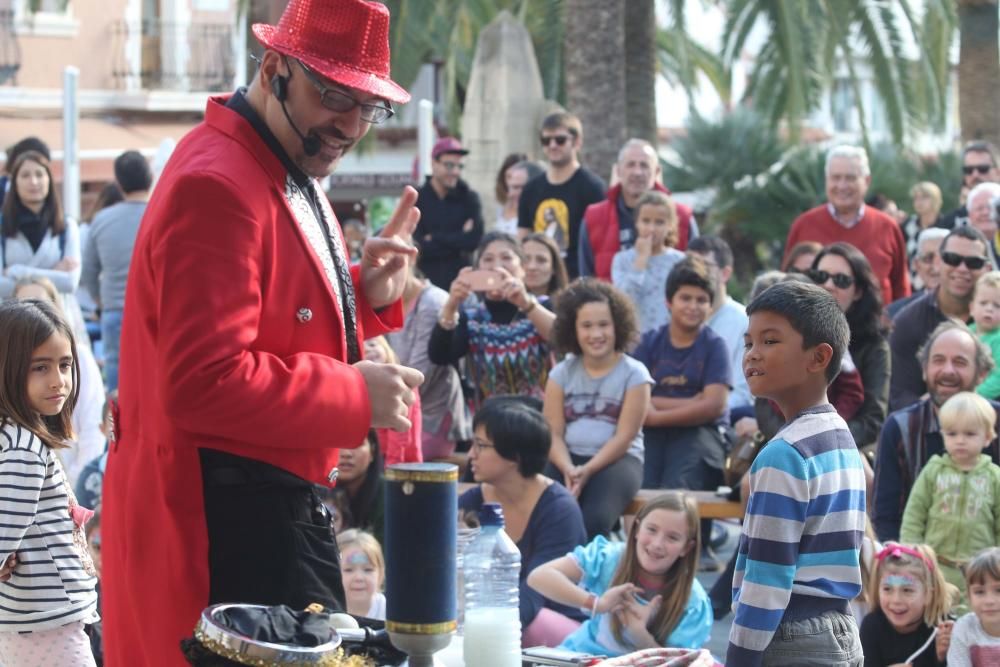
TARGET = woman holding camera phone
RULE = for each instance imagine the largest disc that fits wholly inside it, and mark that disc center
(503, 332)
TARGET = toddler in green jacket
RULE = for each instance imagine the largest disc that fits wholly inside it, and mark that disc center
(955, 503)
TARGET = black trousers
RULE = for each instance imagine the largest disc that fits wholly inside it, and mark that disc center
(269, 536)
(607, 494)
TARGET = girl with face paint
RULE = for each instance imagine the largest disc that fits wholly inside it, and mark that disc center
(911, 600)
(362, 568)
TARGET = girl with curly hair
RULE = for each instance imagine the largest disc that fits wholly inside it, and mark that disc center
(595, 401)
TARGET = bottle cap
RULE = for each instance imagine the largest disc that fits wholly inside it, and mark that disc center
(491, 514)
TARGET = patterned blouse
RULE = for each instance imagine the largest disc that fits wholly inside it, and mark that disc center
(504, 353)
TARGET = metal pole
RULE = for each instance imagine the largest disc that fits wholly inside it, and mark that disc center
(71, 143)
(425, 136)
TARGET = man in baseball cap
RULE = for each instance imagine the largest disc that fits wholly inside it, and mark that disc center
(241, 353)
(451, 222)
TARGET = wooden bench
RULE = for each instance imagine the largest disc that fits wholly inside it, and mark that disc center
(710, 506)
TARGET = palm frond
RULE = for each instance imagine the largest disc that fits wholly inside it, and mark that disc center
(681, 59)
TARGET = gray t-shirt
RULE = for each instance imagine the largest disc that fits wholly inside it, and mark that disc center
(971, 645)
(592, 405)
(108, 253)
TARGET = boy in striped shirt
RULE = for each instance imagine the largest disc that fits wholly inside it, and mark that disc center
(798, 562)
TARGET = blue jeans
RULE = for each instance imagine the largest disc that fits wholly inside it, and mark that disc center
(111, 333)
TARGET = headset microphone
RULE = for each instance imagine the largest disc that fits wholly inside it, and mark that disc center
(311, 145)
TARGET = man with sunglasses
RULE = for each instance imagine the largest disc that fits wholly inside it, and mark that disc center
(451, 217)
(845, 217)
(553, 203)
(241, 354)
(964, 256)
(979, 165)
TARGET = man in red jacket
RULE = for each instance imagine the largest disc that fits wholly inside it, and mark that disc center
(609, 225)
(241, 370)
(844, 217)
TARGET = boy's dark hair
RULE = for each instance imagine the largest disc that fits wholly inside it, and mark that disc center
(25, 325)
(518, 430)
(813, 313)
(27, 144)
(132, 172)
(563, 120)
(691, 271)
(590, 290)
(714, 245)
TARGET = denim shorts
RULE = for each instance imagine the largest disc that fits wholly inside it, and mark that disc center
(828, 640)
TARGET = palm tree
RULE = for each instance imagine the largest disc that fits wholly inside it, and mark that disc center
(808, 40)
(979, 70)
(640, 69)
(594, 62)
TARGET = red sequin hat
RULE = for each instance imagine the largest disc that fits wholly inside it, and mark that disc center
(346, 41)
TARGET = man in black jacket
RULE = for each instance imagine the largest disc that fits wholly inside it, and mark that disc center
(451, 217)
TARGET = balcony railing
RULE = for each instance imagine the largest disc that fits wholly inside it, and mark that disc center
(10, 48)
(157, 54)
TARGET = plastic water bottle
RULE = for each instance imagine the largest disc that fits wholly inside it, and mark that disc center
(492, 566)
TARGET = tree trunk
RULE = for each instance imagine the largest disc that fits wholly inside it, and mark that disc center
(979, 70)
(594, 65)
(640, 69)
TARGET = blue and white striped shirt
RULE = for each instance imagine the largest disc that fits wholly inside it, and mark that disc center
(49, 587)
(799, 552)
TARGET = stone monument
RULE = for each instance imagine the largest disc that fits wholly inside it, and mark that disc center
(504, 105)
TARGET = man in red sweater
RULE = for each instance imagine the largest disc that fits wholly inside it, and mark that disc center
(846, 218)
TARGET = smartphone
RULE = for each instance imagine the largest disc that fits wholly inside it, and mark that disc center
(483, 280)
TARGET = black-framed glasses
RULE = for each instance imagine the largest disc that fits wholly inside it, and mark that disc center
(981, 168)
(560, 139)
(342, 102)
(840, 280)
(972, 262)
(480, 445)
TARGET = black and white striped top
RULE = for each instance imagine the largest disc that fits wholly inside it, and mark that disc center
(49, 587)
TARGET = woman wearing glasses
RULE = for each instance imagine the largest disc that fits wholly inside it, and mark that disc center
(845, 273)
(509, 450)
